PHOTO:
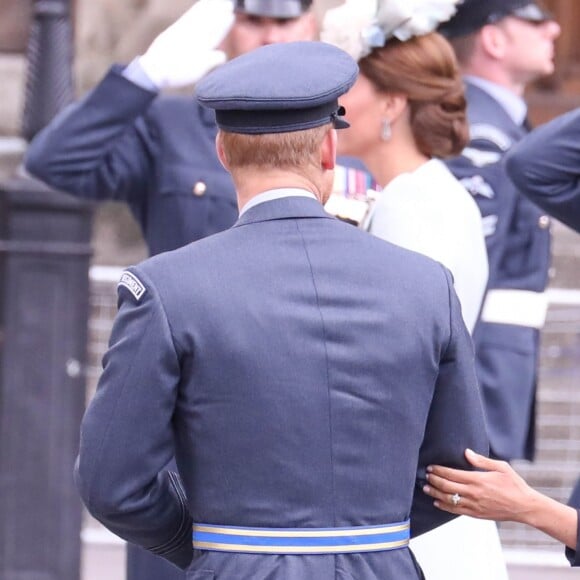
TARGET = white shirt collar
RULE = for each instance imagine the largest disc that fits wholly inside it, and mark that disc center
(273, 194)
(514, 105)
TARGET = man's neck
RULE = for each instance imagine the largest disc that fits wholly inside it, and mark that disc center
(250, 183)
(496, 75)
(514, 105)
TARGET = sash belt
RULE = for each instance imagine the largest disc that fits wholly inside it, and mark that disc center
(301, 540)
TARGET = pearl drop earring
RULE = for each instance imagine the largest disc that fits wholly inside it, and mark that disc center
(386, 131)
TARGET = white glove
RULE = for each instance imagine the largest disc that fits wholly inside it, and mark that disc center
(186, 50)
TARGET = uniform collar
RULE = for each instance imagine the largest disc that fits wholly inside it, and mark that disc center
(513, 105)
(273, 194)
(284, 206)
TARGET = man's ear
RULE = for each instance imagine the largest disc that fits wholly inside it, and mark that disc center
(493, 41)
(220, 151)
(328, 150)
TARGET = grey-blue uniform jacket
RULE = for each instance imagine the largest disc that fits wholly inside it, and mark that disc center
(303, 373)
(546, 168)
(518, 245)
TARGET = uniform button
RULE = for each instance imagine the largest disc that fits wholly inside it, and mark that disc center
(544, 222)
(199, 188)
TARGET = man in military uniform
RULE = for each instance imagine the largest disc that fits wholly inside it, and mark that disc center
(302, 386)
(502, 45)
(125, 142)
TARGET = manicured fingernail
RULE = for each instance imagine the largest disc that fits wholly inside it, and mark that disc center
(426, 489)
(436, 504)
(429, 468)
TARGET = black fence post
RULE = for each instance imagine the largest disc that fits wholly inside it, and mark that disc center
(44, 260)
(49, 85)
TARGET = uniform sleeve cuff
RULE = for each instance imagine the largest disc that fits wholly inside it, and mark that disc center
(134, 72)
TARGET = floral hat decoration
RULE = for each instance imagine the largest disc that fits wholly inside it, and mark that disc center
(358, 26)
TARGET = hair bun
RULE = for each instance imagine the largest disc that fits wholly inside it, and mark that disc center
(440, 127)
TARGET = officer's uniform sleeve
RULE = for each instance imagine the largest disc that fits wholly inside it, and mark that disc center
(126, 433)
(455, 420)
(545, 166)
(101, 147)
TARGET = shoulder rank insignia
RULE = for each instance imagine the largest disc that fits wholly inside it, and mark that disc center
(133, 284)
(491, 134)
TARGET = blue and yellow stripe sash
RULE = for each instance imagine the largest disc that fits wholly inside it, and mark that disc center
(301, 540)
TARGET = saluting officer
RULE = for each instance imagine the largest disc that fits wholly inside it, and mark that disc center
(125, 142)
(502, 45)
(302, 372)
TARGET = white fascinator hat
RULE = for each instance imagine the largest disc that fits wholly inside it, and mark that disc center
(358, 26)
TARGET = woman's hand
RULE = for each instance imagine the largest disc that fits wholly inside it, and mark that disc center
(497, 493)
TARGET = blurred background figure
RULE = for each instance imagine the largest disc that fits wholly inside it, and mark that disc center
(407, 112)
(124, 142)
(502, 46)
